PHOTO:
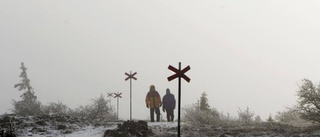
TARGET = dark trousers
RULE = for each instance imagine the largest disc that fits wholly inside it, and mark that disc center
(170, 115)
(152, 110)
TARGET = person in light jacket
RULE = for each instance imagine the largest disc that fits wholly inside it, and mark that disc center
(153, 101)
(169, 104)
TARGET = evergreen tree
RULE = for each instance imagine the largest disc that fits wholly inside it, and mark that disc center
(204, 106)
(245, 116)
(270, 119)
(29, 104)
(257, 119)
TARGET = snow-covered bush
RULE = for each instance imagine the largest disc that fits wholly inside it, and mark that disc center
(227, 119)
(245, 116)
(81, 112)
(193, 114)
(55, 108)
(292, 117)
(201, 113)
(27, 108)
(270, 119)
(257, 119)
(98, 110)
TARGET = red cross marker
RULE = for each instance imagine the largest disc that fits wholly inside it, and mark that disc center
(179, 74)
(117, 95)
(131, 76)
(110, 94)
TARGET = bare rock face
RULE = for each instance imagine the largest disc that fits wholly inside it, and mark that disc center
(130, 128)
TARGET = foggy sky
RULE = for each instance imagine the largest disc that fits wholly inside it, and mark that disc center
(241, 53)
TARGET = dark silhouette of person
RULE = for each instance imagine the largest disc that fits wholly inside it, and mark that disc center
(169, 104)
(153, 101)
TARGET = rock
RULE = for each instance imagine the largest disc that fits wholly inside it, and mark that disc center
(48, 132)
(67, 132)
(61, 127)
(130, 128)
(35, 130)
(41, 123)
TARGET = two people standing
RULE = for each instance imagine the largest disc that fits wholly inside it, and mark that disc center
(153, 101)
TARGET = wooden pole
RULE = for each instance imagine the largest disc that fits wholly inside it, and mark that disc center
(179, 98)
(130, 98)
(118, 108)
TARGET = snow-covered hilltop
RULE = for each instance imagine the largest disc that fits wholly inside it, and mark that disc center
(66, 126)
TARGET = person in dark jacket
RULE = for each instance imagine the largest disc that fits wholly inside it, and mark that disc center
(153, 101)
(169, 104)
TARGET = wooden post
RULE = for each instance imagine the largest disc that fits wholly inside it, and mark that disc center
(179, 98)
(117, 95)
(179, 74)
(130, 76)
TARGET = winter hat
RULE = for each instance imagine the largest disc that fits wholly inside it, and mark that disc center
(152, 88)
(168, 90)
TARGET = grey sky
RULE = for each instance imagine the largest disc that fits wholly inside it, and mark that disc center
(242, 53)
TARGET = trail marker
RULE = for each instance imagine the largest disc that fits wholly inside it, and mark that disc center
(117, 95)
(130, 76)
(110, 95)
(179, 74)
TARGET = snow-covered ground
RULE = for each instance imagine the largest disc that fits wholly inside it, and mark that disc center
(163, 124)
(91, 131)
(37, 127)
(85, 132)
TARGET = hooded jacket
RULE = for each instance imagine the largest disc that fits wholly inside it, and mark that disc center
(168, 101)
(153, 99)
